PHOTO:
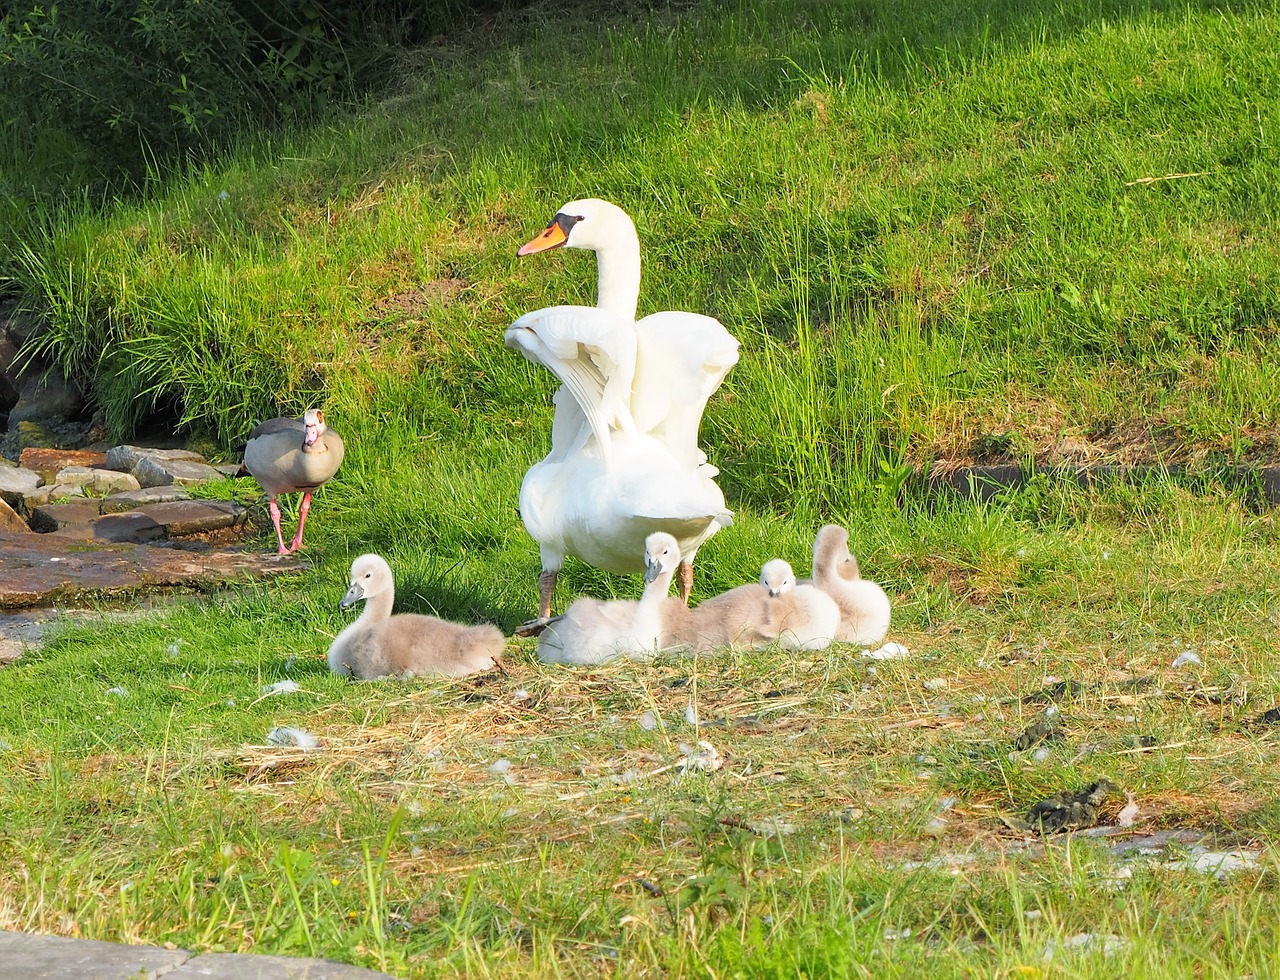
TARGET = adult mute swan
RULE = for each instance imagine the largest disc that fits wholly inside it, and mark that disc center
(293, 456)
(624, 458)
(381, 645)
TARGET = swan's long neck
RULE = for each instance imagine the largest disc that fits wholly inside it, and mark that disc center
(619, 283)
(377, 608)
(656, 591)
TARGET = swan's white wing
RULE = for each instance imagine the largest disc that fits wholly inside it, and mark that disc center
(681, 358)
(592, 352)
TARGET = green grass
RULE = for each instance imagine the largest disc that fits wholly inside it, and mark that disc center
(929, 229)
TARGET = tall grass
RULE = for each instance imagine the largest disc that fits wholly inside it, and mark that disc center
(928, 228)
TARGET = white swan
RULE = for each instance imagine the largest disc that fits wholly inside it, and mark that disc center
(624, 458)
(594, 632)
(381, 645)
(864, 607)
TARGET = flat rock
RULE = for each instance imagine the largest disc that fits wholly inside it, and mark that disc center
(60, 958)
(133, 499)
(15, 481)
(54, 517)
(127, 526)
(183, 517)
(47, 462)
(125, 458)
(10, 650)
(97, 480)
(252, 966)
(50, 494)
(40, 569)
(152, 472)
(34, 957)
(10, 519)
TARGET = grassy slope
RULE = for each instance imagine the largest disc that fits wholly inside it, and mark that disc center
(920, 224)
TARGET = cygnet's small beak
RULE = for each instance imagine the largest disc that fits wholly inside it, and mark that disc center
(553, 235)
(774, 593)
(652, 570)
(354, 595)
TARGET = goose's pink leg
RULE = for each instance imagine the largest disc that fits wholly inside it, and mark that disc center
(302, 522)
(274, 508)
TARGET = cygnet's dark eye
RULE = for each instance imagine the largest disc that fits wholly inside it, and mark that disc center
(368, 574)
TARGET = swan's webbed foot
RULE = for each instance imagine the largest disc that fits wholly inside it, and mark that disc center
(533, 627)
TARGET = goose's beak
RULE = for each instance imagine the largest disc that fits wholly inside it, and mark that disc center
(354, 595)
(551, 238)
(652, 570)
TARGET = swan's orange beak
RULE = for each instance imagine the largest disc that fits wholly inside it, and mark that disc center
(553, 237)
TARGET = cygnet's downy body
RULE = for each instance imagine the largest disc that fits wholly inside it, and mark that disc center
(592, 631)
(773, 610)
(379, 644)
(864, 607)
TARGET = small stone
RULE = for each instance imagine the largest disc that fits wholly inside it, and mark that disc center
(47, 462)
(125, 458)
(52, 493)
(151, 472)
(15, 482)
(11, 521)
(133, 499)
(230, 470)
(97, 480)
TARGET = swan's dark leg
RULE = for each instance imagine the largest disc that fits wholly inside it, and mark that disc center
(684, 576)
(546, 588)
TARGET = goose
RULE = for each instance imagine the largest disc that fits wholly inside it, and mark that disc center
(773, 610)
(624, 459)
(292, 456)
(381, 645)
(864, 607)
(592, 631)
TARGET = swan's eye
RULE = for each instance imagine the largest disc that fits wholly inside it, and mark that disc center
(368, 574)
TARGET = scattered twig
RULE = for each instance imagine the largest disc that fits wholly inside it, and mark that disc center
(1153, 180)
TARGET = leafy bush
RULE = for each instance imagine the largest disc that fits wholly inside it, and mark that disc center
(104, 88)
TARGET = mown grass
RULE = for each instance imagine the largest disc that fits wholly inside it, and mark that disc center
(140, 802)
(927, 227)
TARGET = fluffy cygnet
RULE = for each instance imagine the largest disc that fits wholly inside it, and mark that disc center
(773, 610)
(381, 645)
(864, 607)
(592, 631)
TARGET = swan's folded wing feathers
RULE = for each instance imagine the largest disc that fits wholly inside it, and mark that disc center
(593, 352)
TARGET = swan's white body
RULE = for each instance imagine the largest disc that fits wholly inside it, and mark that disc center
(624, 459)
(594, 632)
(864, 608)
